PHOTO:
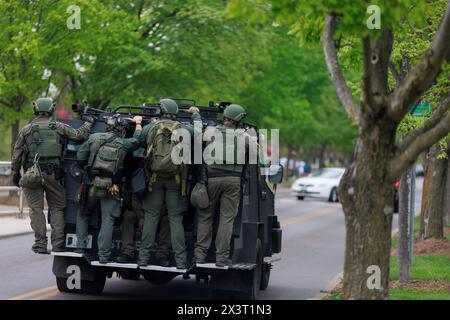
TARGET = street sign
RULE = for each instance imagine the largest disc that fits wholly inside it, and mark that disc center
(420, 109)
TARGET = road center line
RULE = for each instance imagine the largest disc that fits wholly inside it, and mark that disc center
(309, 216)
(32, 293)
(49, 295)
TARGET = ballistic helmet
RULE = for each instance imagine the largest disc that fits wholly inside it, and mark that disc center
(234, 112)
(43, 105)
(169, 106)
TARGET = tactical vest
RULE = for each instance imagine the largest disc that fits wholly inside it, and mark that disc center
(160, 146)
(106, 155)
(44, 141)
(222, 165)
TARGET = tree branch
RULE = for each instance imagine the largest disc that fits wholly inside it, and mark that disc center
(427, 125)
(394, 73)
(334, 70)
(405, 159)
(422, 76)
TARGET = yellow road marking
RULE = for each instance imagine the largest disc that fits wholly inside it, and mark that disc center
(306, 217)
(284, 223)
(48, 295)
(32, 293)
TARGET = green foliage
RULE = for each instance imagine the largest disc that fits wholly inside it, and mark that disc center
(291, 91)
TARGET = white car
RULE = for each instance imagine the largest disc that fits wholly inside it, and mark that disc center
(322, 184)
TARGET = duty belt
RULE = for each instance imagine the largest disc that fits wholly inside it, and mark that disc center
(214, 173)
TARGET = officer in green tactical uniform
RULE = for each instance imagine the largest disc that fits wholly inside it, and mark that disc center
(167, 181)
(41, 142)
(135, 216)
(103, 155)
(224, 189)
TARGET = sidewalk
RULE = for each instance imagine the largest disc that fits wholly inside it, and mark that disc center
(13, 227)
(10, 225)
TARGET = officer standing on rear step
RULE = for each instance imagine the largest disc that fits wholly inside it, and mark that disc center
(224, 189)
(135, 216)
(167, 182)
(103, 156)
(39, 150)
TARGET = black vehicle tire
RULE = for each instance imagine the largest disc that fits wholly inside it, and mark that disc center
(130, 275)
(252, 293)
(93, 287)
(333, 195)
(301, 198)
(265, 276)
(158, 277)
(89, 287)
(61, 283)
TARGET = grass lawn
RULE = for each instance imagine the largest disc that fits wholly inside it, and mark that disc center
(425, 267)
(409, 294)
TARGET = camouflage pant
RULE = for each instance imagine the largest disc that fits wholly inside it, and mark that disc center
(56, 199)
(225, 192)
(165, 190)
(136, 216)
(110, 210)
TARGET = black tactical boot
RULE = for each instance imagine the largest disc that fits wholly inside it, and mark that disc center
(80, 250)
(104, 260)
(124, 258)
(58, 249)
(182, 265)
(163, 262)
(142, 263)
(224, 263)
(39, 249)
(198, 260)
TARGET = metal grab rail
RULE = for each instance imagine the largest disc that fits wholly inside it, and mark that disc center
(20, 211)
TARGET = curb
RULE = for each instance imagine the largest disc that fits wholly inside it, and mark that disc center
(333, 283)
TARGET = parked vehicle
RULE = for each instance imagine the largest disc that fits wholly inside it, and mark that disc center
(322, 184)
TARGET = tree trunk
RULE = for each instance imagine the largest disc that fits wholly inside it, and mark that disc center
(367, 196)
(322, 150)
(434, 215)
(425, 191)
(447, 194)
(403, 252)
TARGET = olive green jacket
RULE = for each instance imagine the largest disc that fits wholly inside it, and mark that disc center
(20, 154)
(128, 144)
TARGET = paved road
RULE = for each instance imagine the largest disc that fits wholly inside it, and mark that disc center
(313, 254)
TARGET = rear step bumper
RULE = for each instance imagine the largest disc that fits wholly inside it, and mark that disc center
(203, 266)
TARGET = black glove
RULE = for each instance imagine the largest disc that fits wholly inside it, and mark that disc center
(16, 178)
(88, 118)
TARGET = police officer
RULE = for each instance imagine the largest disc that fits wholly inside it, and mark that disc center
(224, 189)
(168, 187)
(42, 140)
(135, 217)
(103, 155)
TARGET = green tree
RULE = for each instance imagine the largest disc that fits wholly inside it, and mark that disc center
(367, 188)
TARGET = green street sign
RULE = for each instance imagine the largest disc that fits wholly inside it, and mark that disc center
(421, 109)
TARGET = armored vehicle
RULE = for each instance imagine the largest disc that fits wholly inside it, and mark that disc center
(256, 233)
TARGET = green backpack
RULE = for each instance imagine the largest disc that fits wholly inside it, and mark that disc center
(106, 155)
(160, 150)
(45, 143)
